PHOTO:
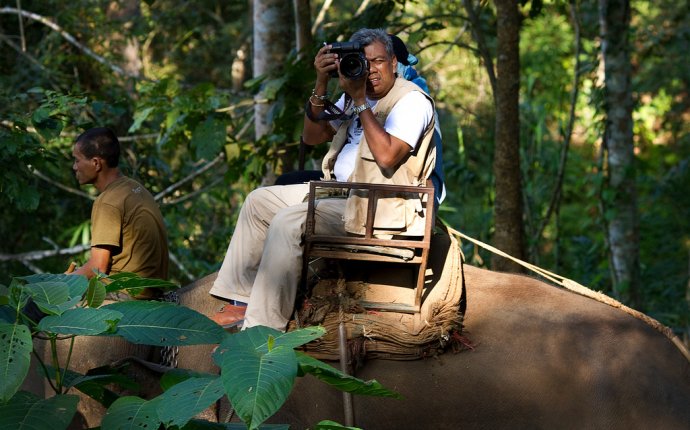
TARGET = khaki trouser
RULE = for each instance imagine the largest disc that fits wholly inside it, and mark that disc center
(263, 263)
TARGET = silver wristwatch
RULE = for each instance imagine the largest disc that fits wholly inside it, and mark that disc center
(361, 108)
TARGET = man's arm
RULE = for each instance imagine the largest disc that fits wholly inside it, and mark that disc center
(388, 151)
(100, 259)
(317, 132)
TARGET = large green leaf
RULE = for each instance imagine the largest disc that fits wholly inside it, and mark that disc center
(260, 336)
(175, 376)
(164, 324)
(340, 380)
(81, 321)
(77, 284)
(95, 293)
(26, 411)
(15, 357)
(182, 402)
(257, 383)
(131, 412)
(49, 296)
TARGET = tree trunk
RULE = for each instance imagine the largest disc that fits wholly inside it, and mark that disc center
(303, 36)
(509, 229)
(273, 33)
(614, 19)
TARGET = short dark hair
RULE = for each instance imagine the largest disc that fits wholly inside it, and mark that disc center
(100, 142)
(367, 36)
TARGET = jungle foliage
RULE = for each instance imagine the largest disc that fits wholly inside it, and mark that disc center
(258, 366)
(184, 109)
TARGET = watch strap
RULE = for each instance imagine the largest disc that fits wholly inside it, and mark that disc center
(361, 108)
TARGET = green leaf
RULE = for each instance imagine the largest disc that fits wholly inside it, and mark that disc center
(342, 381)
(182, 402)
(97, 383)
(49, 295)
(175, 376)
(259, 337)
(131, 412)
(7, 314)
(272, 87)
(15, 357)
(332, 425)
(77, 284)
(80, 321)
(205, 425)
(139, 118)
(257, 383)
(134, 284)
(46, 126)
(164, 324)
(209, 137)
(25, 411)
(95, 294)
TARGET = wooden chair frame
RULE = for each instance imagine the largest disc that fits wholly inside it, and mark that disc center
(368, 247)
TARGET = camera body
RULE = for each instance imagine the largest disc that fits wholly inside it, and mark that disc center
(353, 63)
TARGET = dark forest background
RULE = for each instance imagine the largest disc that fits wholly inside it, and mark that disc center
(587, 103)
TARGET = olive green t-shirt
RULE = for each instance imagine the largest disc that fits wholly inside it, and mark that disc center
(126, 217)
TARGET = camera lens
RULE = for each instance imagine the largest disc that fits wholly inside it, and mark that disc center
(353, 66)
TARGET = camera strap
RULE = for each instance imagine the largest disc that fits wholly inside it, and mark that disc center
(330, 112)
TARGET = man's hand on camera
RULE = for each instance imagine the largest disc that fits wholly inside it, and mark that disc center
(325, 63)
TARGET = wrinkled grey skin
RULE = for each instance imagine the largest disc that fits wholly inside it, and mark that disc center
(545, 358)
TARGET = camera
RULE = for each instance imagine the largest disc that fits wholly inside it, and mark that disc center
(353, 63)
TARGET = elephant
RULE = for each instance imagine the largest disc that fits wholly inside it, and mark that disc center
(545, 358)
(539, 356)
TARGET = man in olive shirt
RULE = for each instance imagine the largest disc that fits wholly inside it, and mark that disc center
(127, 229)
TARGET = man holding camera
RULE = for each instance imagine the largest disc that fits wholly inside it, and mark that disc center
(380, 132)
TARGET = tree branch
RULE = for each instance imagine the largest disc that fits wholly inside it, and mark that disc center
(321, 15)
(40, 255)
(71, 39)
(189, 177)
(59, 185)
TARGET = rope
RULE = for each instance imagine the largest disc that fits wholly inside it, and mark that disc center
(575, 287)
(169, 354)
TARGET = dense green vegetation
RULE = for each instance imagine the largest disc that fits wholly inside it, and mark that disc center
(183, 106)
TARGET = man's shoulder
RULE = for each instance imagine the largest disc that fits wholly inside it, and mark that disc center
(123, 189)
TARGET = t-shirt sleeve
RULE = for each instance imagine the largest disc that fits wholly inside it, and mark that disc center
(106, 225)
(409, 118)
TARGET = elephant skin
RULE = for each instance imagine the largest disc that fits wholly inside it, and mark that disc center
(544, 358)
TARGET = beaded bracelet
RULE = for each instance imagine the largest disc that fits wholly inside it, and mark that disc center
(322, 98)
